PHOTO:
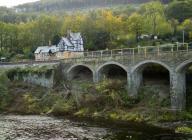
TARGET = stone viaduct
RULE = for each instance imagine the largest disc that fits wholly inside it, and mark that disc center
(132, 62)
(175, 59)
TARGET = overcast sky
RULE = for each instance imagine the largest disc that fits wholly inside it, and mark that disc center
(10, 3)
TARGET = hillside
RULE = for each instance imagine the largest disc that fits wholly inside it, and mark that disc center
(71, 5)
(30, 11)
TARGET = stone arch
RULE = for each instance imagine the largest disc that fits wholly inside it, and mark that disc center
(111, 69)
(183, 66)
(184, 82)
(150, 61)
(138, 79)
(111, 63)
(80, 72)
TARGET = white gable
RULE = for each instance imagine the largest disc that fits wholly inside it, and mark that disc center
(75, 36)
(65, 41)
(73, 43)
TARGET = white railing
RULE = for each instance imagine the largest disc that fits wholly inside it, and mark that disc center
(138, 51)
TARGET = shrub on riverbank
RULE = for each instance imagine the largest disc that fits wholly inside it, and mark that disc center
(102, 100)
(184, 129)
(4, 96)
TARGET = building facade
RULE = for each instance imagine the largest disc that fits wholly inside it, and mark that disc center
(68, 47)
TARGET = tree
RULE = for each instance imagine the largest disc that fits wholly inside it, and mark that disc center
(8, 37)
(72, 22)
(94, 34)
(47, 28)
(174, 23)
(180, 10)
(135, 24)
(56, 39)
(187, 27)
(153, 12)
(113, 25)
(28, 37)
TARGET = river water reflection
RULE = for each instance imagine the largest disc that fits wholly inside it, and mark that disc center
(49, 128)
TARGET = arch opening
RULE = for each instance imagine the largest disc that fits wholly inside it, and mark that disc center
(185, 73)
(113, 72)
(81, 73)
(155, 74)
(153, 83)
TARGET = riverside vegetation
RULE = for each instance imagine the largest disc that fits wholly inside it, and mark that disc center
(109, 28)
(107, 100)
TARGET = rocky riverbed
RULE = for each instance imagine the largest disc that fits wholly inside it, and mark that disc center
(49, 128)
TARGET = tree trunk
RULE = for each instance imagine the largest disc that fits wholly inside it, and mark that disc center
(154, 25)
(136, 37)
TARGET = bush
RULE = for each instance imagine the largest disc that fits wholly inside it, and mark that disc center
(186, 130)
(4, 96)
(150, 97)
(63, 107)
(82, 112)
(107, 94)
(31, 104)
(106, 86)
(112, 89)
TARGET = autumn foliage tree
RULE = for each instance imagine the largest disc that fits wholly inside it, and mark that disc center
(135, 25)
(101, 29)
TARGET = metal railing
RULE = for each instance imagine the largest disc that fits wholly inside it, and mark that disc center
(134, 52)
(137, 51)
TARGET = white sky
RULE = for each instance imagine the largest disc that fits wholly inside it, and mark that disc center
(11, 3)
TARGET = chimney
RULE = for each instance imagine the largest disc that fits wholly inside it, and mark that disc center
(50, 43)
(68, 33)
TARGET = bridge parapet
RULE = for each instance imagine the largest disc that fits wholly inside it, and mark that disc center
(136, 51)
(170, 54)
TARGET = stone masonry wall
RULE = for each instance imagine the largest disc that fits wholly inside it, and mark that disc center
(37, 79)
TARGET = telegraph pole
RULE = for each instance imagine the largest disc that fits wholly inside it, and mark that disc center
(183, 37)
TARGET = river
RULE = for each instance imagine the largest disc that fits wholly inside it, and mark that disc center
(51, 128)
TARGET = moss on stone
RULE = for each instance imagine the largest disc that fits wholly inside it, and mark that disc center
(20, 72)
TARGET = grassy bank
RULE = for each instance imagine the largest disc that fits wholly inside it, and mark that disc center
(106, 100)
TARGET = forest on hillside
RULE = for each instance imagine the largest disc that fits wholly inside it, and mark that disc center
(30, 11)
(110, 28)
(60, 5)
